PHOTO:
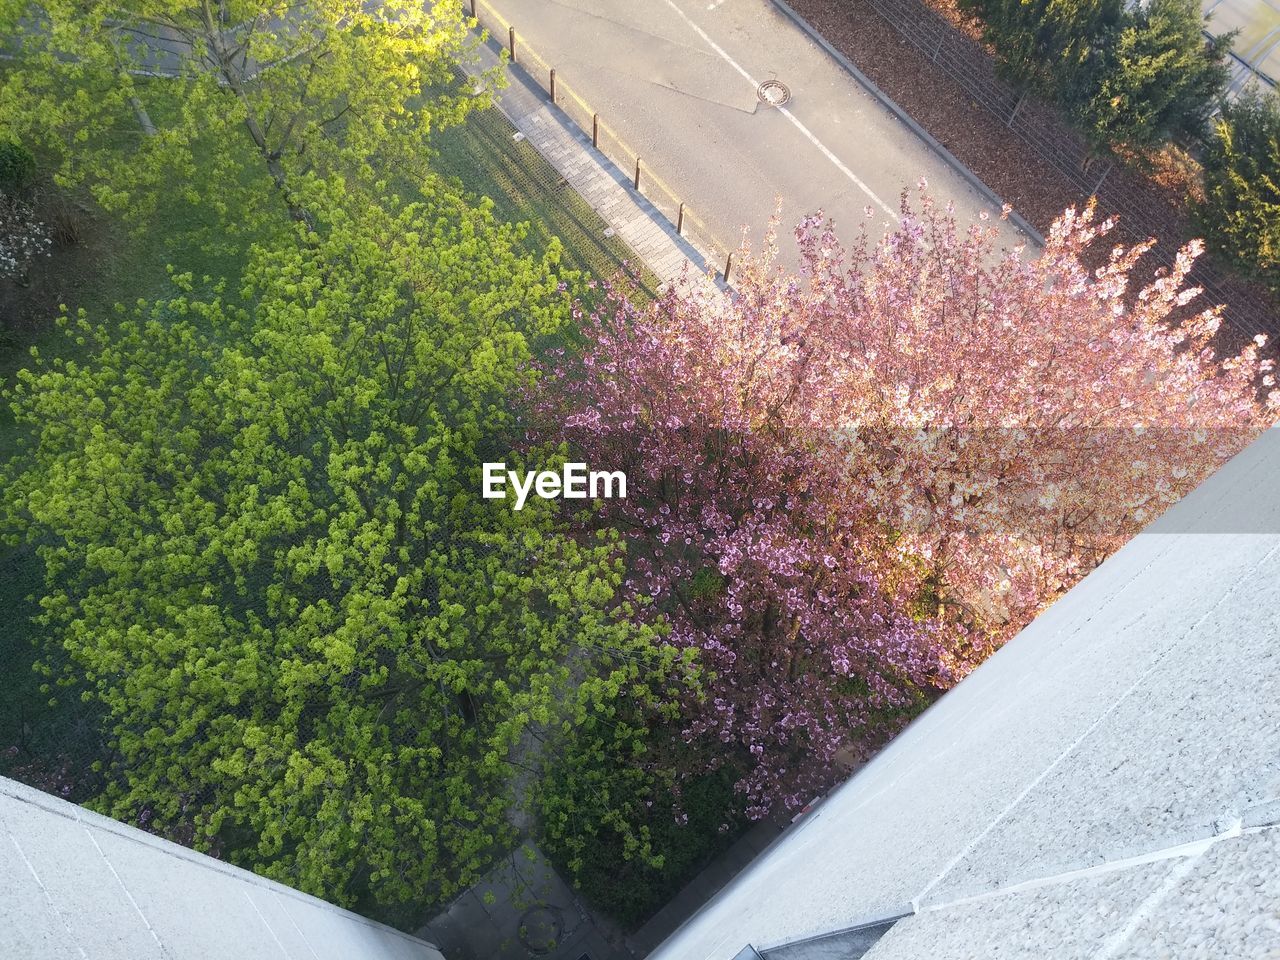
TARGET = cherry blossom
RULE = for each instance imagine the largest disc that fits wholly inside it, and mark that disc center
(850, 482)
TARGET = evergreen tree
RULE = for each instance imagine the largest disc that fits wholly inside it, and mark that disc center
(1157, 78)
(1045, 45)
(1240, 213)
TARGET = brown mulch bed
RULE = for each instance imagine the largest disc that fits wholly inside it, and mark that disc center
(74, 263)
(950, 11)
(1006, 163)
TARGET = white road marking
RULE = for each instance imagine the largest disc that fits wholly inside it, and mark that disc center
(839, 164)
(714, 4)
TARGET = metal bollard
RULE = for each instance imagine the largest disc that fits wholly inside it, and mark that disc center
(637, 184)
(473, 9)
(680, 221)
(553, 84)
(728, 266)
(511, 42)
(595, 130)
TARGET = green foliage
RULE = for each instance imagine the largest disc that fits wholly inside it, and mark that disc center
(1240, 213)
(1157, 79)
(268, 559)
(49, 745)
(707, 584)
(17, 166)
(616, 817)
(1045, 45)
(1129, 76)
(311, 88)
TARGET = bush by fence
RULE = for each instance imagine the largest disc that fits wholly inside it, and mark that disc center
(1064, 149)
(1240, 214)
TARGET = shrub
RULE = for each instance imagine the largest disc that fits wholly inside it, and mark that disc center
(1240, 212)
(627, 828)
(1045, 45)
(17, 166)
(1134, 77)
(1156, 79)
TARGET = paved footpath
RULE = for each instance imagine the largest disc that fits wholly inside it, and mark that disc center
(568, 149)
(678, 79)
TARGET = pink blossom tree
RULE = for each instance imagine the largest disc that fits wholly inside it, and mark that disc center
(1009, 419)
(847, 484)
(736, 539)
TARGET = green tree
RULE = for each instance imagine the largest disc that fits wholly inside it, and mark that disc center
(269, 560)
(232, 103)
(17, 166)
(1045, 45)
(1157, 78)
(1240, 212)
(628, 810)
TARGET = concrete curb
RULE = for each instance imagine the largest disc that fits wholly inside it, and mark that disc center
(518, 76)
(946, 155)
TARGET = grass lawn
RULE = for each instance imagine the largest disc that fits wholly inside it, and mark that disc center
(115, 266)
(484, 156)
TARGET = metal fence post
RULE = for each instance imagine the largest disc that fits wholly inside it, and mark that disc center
(680, 221)
(595, 130)
(553, 84)
(1016, 107)
(1102, 179)
(511, 42)
(637, 183)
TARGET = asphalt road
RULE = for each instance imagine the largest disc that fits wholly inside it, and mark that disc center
(677, 79)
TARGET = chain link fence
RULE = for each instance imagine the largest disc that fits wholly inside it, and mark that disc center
(967, 63)
(678, 210)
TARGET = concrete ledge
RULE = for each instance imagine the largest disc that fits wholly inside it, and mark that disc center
(78, 884)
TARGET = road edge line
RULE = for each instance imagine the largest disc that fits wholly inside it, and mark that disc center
(946, 155)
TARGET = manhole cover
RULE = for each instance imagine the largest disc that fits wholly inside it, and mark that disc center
(773, 93)
(540, 929)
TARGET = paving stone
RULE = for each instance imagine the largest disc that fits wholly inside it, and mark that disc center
(640, 224)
